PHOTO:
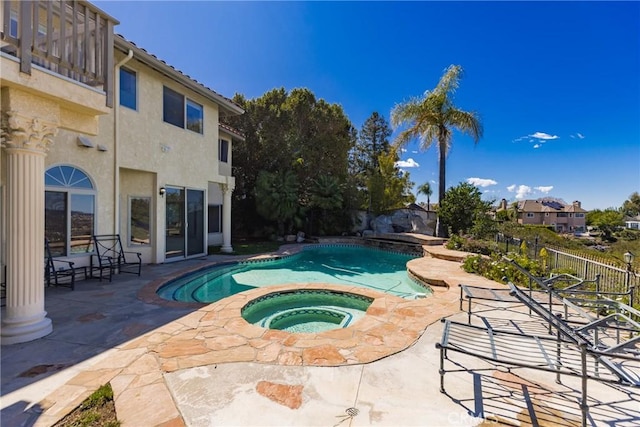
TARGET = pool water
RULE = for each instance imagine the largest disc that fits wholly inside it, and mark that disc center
(347, 265)
(306, 310)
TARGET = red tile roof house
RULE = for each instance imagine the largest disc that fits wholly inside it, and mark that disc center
(562, 217)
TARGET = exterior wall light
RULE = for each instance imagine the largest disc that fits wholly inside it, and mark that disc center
(628, 258)
(162, 191)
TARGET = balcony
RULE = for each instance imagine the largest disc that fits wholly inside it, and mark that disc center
(69, 39)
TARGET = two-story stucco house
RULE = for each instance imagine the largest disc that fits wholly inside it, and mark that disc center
(562, 217)
(100, 137)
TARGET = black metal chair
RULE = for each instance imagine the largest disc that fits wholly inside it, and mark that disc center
(112, 258)
(3, 288)
(58, 272)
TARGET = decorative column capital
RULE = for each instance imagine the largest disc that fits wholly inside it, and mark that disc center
(26, 132)
(226, 188)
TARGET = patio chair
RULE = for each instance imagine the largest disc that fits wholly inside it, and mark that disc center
(58, 272)
(112, 258)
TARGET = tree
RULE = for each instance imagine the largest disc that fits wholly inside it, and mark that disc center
(433, 118)
(287, 131)
(463, 209)
(277, 198)
(631, 206)
(390, 188)
(371, 143)
(427, 191)
(326, 196)
(607, 221)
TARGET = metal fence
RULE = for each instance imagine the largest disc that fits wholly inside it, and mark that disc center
(612, 278)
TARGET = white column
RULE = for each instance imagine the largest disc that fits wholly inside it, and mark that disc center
(25, 142)
(226, 218)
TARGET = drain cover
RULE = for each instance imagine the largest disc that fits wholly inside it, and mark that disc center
(352, 412)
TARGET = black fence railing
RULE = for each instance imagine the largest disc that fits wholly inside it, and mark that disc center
(612, 278)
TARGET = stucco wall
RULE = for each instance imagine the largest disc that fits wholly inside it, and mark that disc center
(214, 198)
(139, 184)
(149, 152)
(180, 156)
(53, 97)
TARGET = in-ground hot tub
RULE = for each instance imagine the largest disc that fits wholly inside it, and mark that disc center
(306, 310)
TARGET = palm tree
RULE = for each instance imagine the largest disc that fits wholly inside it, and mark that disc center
(433, 118)
(277, 198)
(427, 191)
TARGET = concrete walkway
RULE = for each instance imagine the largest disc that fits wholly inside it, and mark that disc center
(173, 364)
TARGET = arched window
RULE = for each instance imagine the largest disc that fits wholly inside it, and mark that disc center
(69, 215)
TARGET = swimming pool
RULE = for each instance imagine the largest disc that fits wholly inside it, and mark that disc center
(350, 265)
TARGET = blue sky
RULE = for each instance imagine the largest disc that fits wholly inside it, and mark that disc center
(556, 84)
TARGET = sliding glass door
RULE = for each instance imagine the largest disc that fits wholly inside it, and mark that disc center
(184, 222)
(195, 221)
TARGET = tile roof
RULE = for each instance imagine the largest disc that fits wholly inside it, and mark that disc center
(546, 206)
(233, 131)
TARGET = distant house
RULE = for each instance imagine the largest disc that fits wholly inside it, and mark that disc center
(563, 217)
(632, 222)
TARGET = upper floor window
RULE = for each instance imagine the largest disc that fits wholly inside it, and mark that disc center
(128, 88)
(562, 215)
(530, 215)
(69, 216)
(178, 112)
(579, 215)
(223, 150)
(173, 107)
(195, 116)
(13, 23)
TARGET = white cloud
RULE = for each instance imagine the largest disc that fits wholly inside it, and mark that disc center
(521, 191)
(415, 151)
(544, 189)
(481, 182)
(409, 163)
(581, 136)
(545, 136)
(537, 146)
(403, 150)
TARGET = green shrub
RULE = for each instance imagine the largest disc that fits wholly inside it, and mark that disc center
(461, 243)
(496, 268)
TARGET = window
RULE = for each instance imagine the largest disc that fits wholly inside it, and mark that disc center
(546, 214)
(176, 111)
(69, 218)
(128, 89)
(562, 214)
(579, 215)
(13, 24)
(173, 107)
(223, 150)
(215, 218)
(139, 220)
(194, 116)
(530, 215)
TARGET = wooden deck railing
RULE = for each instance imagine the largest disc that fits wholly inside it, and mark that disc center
(71, 38)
